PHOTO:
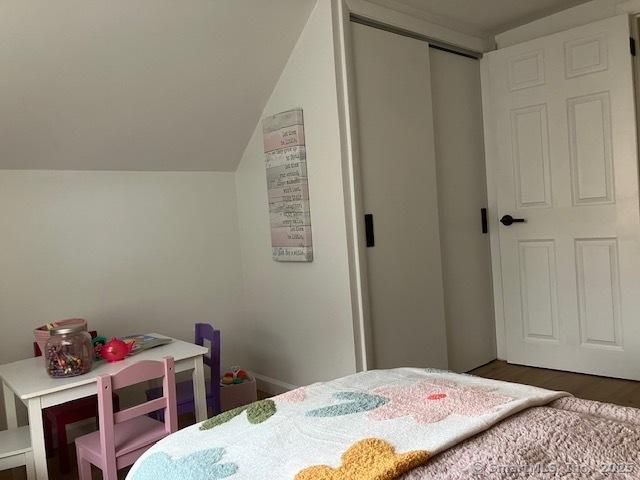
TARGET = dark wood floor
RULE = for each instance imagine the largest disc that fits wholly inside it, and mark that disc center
(620, 392)
(590, 387)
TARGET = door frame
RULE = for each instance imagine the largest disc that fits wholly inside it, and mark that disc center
(352, 186)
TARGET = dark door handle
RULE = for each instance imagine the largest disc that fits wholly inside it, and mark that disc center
(368, 230)
(485, 221)
(509, 220)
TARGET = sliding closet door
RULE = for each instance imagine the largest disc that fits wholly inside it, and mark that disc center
(462, 192)
(398, 176)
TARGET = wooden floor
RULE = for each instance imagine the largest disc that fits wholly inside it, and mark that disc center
(620, 392)
(590, 387)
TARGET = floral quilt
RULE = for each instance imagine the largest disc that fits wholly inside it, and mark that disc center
(374, 425)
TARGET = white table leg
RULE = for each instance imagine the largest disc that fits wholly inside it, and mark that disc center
(28, 460)
(11, 414)
(199, 394)
(10, 406)
(37, 438)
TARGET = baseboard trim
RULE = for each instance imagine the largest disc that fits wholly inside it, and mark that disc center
(272, 386)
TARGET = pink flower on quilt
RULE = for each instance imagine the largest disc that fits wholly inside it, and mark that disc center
(435, 400)
(293, 396)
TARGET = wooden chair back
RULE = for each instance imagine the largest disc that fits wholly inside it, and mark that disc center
(205, 331)
(137, 373)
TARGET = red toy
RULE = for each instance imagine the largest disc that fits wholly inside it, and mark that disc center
(115, 350)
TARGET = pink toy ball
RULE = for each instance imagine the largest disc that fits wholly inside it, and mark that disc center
(115, 350)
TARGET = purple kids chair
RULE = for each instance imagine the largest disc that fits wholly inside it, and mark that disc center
(184, 390)
(124, 436)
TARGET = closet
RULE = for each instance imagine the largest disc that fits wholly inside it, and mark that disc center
(423, 187)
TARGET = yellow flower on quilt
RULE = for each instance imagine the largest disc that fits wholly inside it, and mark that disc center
(368, 459)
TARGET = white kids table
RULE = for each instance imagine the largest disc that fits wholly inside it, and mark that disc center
(29, 381)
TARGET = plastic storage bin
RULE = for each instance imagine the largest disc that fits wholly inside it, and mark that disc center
(238, 395)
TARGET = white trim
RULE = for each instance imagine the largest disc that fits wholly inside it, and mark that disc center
(491, 153)
(351, 187)
(558, 22)
(416, 11)
(407, 22)
(272, 386)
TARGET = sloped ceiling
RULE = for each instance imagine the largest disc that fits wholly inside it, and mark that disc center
(480, 17)
(138, 84)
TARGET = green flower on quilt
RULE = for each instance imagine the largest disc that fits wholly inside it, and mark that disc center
(358, 402)
(257, 412)
(202, 465)
(436, 370)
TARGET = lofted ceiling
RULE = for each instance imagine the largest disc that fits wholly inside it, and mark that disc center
(167, 84)
(138, 85)
(480, 17)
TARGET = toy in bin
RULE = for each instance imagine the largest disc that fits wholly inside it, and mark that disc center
(237, 389)
(235, 376)
(98, 342)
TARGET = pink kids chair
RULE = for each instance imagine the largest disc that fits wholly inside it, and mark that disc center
(124, 436)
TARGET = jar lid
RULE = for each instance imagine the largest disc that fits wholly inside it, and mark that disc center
(65, 329)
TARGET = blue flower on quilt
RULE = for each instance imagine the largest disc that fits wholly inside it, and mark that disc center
(357, 402)
(201, 465)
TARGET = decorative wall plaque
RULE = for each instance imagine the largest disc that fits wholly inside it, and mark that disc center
(288, 188)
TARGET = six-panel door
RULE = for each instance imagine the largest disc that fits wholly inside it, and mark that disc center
(565, 135)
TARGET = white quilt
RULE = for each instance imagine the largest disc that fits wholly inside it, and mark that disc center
(370, 426)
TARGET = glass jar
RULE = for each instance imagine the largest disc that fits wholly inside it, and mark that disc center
(69, 351)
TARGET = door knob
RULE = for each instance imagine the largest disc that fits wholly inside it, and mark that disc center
(509, 220)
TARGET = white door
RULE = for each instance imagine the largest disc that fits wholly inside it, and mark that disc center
(398, 176)
(564, 130)
(462, 192)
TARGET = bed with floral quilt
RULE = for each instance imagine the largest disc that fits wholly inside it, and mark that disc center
(395, 424)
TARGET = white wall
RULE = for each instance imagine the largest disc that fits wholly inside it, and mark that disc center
(298, 316)
(131, 252)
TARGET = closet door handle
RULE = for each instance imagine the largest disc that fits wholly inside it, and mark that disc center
(484, 220)
(368, 230)
(509, 220)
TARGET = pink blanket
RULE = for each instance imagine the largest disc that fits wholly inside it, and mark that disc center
(570, 439)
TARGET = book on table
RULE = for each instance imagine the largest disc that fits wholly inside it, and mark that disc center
(145, 342)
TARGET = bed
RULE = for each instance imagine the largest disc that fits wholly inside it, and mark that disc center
(406, 424)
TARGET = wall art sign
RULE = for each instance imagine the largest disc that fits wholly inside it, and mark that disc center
(287, 186)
